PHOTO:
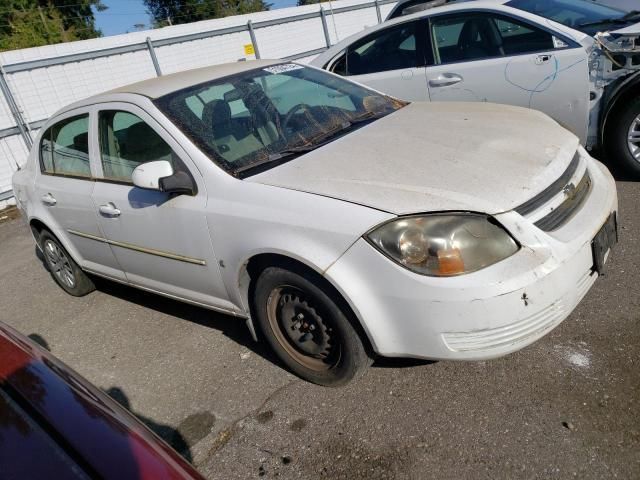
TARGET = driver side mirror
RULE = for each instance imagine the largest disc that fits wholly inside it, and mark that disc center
(159, 175)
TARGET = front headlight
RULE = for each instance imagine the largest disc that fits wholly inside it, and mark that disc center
(444, 244)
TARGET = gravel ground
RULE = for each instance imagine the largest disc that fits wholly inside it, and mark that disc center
(567, 406)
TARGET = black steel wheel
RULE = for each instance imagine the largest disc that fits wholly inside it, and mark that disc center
(307, 329)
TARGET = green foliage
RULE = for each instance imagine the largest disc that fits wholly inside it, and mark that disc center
(173, 12)
(32, 23)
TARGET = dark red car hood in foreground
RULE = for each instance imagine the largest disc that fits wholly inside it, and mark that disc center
(55, 424)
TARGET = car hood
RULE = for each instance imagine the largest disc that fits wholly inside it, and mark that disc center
(436, 156)
(628, 30)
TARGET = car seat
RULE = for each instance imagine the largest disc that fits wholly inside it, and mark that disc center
(478, 40)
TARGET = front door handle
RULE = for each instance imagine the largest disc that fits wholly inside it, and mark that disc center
(109, 210)
(49, 200)
(445, 79)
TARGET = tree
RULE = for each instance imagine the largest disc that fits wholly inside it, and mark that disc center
(32, 23)
(173, 12)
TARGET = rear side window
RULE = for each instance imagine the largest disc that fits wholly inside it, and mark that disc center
(390, 49)
(126, 141)
(64, 148)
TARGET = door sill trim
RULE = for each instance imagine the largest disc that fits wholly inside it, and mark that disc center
(235, 313)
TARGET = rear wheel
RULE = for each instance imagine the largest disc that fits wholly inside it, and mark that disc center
(64, 270)
(623, 142)
(307, 329)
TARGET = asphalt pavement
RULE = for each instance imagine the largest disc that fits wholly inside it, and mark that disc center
(567, 406)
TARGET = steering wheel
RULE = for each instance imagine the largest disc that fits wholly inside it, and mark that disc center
(289, 115)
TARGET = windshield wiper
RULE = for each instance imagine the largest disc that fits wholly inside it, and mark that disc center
(290, 153)
(312, 143)
(620, 20)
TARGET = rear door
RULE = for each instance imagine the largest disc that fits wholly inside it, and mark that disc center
(494, 57)
(64, 186)
(390, 60)
(161, 240)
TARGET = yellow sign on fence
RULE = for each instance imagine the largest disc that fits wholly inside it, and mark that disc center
(249, 50)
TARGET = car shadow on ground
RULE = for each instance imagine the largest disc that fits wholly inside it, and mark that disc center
(169, 434)
(232, 327)
(384, 362)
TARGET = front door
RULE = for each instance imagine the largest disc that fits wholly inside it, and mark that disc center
(161, 240)
(491, 57)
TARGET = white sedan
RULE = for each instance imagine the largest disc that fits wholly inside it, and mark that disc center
(576, 61)
(339, 222)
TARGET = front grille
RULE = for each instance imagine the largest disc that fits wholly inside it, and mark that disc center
(551, 191)
(562, 214)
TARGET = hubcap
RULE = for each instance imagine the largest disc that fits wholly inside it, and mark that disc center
(633, 138)
(59, 264)
(301, 330)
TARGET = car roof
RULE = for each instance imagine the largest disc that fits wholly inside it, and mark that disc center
(159, 86)
(449, 7)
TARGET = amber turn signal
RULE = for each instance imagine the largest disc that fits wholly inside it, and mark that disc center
(450, 262)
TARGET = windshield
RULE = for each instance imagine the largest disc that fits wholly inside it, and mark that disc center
(583, 15)
(263, 117)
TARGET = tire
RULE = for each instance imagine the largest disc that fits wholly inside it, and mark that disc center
(619, 147)
(64, 270)
(307, 329)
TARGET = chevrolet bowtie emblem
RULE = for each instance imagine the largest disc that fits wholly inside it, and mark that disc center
(569, 190)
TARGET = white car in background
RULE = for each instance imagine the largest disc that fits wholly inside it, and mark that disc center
(575, 60)
(341, 223)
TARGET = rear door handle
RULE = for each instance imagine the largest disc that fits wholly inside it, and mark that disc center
(445, 79)
(49, 200)
(540, 59)
(109, 210)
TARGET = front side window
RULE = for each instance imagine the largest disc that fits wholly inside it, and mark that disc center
(269, 115)
(474, 36)
(64, 148)
(390, 49)
(517, 37)
(126, 141)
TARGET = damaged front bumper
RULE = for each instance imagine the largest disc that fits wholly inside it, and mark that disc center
(486, 314)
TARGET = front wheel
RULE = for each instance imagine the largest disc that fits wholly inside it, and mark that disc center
(307, 329)
(64, 270)
(623, 138)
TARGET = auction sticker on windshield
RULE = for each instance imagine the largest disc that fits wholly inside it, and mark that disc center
(286, 67)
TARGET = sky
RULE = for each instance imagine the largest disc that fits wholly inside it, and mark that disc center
(123, 15)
